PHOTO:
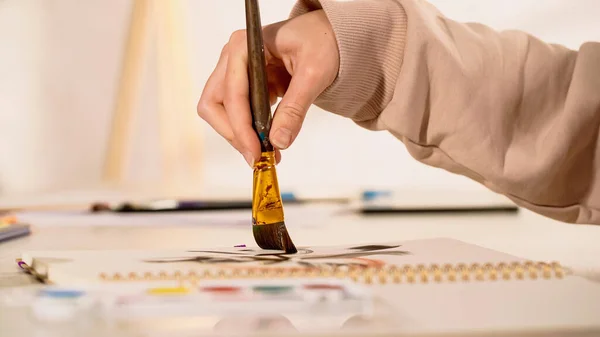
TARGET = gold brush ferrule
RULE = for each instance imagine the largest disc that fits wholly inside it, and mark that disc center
(267, 207)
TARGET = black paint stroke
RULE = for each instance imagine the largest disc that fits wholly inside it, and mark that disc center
(369, 248)
(302, 259)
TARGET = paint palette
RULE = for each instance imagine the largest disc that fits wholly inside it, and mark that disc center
(247, 298)
(324, 299)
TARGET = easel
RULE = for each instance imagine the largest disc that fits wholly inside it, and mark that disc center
(179, 137)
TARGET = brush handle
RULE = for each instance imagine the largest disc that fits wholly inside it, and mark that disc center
(257, 74)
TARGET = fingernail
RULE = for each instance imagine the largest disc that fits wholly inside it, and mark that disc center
(249, 159)
(282, 138)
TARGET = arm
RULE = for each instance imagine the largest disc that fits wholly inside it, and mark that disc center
(505, 109)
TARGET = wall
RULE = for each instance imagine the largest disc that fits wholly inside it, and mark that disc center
(60, 62)
(20, 102)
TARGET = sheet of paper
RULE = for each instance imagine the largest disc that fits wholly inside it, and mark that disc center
(82, 267)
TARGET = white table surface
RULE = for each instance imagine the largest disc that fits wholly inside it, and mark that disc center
(523, 234)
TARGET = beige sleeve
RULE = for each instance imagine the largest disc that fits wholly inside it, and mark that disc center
(505, 109)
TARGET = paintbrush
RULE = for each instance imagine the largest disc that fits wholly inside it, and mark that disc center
(268, 223)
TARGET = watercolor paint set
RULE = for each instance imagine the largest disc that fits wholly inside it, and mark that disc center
(248, 297)
(223, 298)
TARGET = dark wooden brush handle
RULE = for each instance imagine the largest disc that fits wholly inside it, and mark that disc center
(257, 74)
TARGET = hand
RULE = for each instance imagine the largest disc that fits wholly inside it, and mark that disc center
(302, 61)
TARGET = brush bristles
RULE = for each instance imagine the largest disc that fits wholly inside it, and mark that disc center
(274, 236)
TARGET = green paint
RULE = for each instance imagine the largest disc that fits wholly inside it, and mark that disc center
(272, 289)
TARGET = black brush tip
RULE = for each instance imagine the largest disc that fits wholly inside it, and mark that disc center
(274, 237)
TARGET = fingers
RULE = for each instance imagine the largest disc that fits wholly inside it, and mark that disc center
(214, 114)
(225, 106)
(224, 101)
(236, 100)
(290, 114)
(210, 106)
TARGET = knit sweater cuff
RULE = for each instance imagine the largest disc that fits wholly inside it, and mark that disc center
(371, 37)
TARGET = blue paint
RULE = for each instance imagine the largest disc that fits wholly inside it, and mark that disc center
(262, 136)
(288, 196)
(57, 293)
(371, 195)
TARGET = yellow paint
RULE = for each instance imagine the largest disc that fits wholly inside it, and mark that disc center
(267, 207)
(169, 291)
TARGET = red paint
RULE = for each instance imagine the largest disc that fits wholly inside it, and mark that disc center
(221, 289)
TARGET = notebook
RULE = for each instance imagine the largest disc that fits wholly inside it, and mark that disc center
(13, 231)
(437, 287)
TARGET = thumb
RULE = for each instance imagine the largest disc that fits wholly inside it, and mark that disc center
(291, 111)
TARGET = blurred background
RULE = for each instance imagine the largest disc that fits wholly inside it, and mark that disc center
(60, 63)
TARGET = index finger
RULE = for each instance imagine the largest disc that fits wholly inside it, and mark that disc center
(237, 101)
